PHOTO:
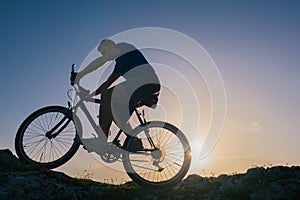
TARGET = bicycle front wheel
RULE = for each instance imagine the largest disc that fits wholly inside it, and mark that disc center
(48, 137)
(164, 166)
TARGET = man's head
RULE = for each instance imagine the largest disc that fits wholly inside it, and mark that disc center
(105, 45)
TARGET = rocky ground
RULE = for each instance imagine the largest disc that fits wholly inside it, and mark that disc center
(19, 181)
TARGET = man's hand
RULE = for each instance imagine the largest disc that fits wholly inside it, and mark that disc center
(73, 78)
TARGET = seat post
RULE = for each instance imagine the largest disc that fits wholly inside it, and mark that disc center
(139, 116)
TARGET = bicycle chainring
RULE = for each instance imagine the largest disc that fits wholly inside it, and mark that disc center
(111, 154)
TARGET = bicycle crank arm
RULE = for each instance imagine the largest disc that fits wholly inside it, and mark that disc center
(138, 151)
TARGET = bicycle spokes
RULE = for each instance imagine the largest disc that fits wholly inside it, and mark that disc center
(47, 136)
(165, 159)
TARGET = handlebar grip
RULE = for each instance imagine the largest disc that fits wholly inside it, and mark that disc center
(73, 66)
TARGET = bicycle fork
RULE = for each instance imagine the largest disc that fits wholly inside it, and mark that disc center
(52, 134)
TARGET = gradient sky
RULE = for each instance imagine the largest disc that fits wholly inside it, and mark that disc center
(255, 45)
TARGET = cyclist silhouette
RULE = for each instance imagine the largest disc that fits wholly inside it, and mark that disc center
(118, 102)
(155, 154)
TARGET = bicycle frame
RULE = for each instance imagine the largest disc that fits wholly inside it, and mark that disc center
(50, 136)
(80, 104)
(83, 107)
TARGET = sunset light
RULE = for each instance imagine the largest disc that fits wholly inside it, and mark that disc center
(224, 79)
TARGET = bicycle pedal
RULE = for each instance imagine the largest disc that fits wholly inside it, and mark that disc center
(88, 150)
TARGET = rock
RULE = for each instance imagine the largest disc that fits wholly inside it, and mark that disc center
(274, 191)
(19, 181)
(193, 179)
(223, 177)
(255, 173)
(227, 188)
(8, 160)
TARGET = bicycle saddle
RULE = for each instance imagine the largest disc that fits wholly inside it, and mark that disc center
(150, 101)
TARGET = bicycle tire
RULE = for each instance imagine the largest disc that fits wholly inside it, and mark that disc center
(36, 125)
(159, 180)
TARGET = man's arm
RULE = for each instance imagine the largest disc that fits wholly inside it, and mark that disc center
(98, 62)
(112, 78)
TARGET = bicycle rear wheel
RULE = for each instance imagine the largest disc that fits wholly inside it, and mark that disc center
(163, 167)
(35, 145)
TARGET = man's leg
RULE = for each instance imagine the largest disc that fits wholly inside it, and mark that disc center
(105, 113)
(142, 93)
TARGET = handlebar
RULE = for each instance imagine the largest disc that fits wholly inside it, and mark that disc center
(73, 66)
(80, 91)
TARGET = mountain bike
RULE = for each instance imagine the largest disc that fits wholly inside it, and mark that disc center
(50, 136)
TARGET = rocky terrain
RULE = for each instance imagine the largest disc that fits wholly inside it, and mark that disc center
(19, 181)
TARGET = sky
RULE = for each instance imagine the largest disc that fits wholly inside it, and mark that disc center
(254, 44)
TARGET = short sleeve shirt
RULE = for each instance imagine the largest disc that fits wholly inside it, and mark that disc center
(128, 61)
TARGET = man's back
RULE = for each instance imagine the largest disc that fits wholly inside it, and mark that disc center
(132, 65)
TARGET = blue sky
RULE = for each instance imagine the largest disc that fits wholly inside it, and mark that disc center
(255, 45)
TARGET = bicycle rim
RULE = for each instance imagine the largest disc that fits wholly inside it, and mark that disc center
(32, 145)
(164, 167)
